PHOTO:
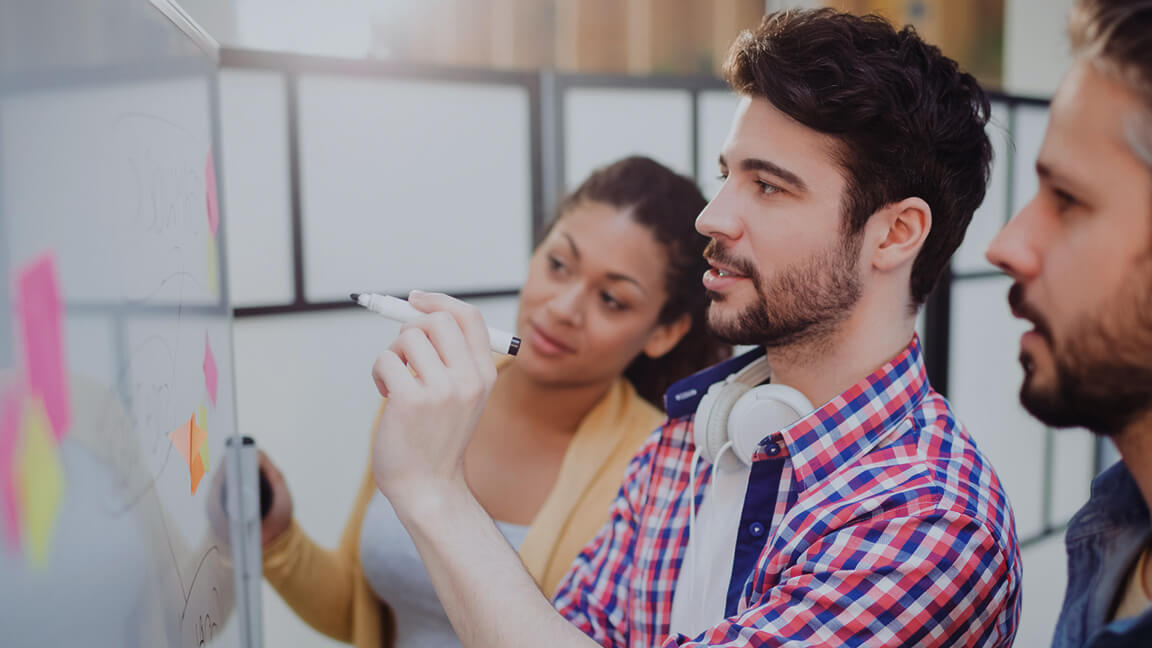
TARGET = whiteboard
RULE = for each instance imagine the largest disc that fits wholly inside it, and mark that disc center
(254, 131)
(993, 212)
(403, 183)
(716, 109)
(116, 388)
(1028, 135)
(984, 385)
(602, 125)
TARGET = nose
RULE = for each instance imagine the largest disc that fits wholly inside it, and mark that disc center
(567, 304)
(720, 219)
(1016, 249)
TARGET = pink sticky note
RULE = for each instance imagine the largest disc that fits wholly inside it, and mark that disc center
(209, 370)
(210, 192)
(38, 301)
(11, 412)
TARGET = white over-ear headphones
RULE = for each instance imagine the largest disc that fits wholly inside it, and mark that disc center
(738, 412)
(735, 414)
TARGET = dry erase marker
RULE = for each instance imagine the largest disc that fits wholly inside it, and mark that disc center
(401, 311)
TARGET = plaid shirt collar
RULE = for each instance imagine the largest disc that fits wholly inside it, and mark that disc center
(840, 431)
(851, 424)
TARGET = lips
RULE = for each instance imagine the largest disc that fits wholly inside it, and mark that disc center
(1021, 309)
(722, 271)
(547, 344)
(720, 278)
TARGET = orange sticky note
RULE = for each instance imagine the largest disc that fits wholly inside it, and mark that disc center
(188, 438)
(197, 471)
(41, 481)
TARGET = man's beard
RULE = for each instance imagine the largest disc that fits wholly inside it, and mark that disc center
(803, 304)
(1103, 371)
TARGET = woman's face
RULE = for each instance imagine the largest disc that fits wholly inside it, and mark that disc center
(594, 292)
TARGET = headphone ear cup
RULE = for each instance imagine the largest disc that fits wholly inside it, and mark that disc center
(762, 411)
(710, 426)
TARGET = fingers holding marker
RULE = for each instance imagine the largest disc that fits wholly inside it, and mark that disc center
(391, 375)
(446, 337)
(417, 351)
(402, 311)
(468, 319)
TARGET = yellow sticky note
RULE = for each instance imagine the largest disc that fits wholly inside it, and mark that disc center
(202, 421)
(41, 476)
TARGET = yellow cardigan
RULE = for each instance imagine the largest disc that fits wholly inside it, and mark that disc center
(327, 588)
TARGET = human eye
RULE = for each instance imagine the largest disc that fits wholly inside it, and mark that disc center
(556, 265)
(1064, 200)
(767, 188)
(611, 302)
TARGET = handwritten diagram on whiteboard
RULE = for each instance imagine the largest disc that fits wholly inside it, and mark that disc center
(116, 393)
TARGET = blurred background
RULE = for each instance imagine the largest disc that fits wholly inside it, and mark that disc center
(1015, 45)
(395, 144)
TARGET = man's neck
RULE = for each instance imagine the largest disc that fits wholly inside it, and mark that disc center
(824, 369)
(1135, 446)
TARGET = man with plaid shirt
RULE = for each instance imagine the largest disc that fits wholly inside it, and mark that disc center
(855, 161)
(872, 521)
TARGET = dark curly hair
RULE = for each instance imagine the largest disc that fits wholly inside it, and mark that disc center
(908, 120)
(667, 204)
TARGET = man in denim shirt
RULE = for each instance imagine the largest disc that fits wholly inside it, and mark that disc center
(1081, 256)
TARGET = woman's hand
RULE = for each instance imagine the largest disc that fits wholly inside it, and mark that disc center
(274, 524)
(437, 376)
(279, 516)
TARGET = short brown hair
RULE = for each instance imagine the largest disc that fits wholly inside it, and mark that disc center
(908, 120)
(1116, 37)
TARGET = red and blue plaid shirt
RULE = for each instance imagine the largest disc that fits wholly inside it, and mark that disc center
(872, 521)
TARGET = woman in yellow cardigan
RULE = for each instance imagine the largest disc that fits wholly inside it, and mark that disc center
(610, 315)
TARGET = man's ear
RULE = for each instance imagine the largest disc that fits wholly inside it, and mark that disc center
(905, 226)
(666, 336)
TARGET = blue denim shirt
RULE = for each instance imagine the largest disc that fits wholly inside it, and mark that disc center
(1104, 539)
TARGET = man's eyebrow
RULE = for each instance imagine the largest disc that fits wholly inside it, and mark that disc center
(756, 164)
(1044, 171)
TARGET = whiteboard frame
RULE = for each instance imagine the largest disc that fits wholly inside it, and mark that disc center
(185, 23)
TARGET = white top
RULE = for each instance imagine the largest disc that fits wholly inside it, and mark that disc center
(397, 575)
(1134, 600)
(702, 588)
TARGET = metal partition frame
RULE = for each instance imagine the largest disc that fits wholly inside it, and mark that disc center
(291, 66)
